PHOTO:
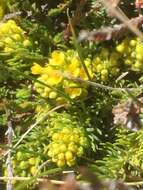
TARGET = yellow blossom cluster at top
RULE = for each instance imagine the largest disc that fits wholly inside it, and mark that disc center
(12, 37)
(131, 51)
(56, 73)
(126, 55)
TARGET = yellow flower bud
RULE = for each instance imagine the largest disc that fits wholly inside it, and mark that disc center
(61, 163)
(27, 43)
(68, 155)
(33, 170)
(36, 69)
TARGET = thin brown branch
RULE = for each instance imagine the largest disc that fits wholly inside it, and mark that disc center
(9, 134)
(108, 33)
(10, 16)
(43, 164)
(56, 182)
(20, 116)
(98, 85)
(80, 184)
(118, 13)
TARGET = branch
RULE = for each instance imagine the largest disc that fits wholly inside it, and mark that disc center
(118, 13)
(56, 182)
(108, 33)
(10, 16)
(10, 135)
(134, 183)
(108, 184)
(98, 85)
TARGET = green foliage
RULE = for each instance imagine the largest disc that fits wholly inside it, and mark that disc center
(123, 159)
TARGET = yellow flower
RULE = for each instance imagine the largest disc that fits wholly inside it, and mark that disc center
(54, 76)
(17, 37)
(27, 43)
(43, 78)
(11, 22)
(52, 95)
(83, 75)
(73, 92)
(10, 27)
(57, 58)
(72, 89)
(73, 69)
(36, 69)
(5, 28)
(8, 41)
(97, 60)
(45, 90)
(16, 29)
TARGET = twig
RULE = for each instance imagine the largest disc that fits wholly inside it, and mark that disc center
(122, 17)
(134, 183)
(98, 85)
(56, 182)
(108, 33)
(122, 76)
(9, 134)
(43, 164)
(10, 16)
(34, 125)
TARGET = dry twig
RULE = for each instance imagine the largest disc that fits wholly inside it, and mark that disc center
(108, 33)
(98, 85)
(123, 18)
(9, 134)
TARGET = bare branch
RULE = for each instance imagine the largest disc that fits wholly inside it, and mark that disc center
(108, 33)
(118, 13)
(10, 135)
(98, 85)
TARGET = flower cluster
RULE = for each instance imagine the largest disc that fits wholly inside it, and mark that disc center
(125, 55)
(60, 140)
(106, 64)
(26, 164)
(68, 140)
(131, 52)
(62, 66)
(12, 37)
